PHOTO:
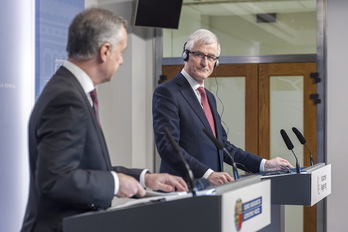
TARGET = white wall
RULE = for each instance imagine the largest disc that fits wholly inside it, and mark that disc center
(337, 112)
(90, 3)
(240, 34)
(17, 95)
(125, 102)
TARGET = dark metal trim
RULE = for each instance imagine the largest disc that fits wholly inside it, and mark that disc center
(321, 108)
(316, 77)
(297, 58)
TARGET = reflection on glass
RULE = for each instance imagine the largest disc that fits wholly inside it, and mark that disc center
(230, 97)
(286, 103)
(292, 30)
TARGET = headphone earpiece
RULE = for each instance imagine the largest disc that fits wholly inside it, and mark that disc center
(216, 63)
(185, 53)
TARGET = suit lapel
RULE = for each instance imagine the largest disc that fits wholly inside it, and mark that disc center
(186, 90)
(100, 135)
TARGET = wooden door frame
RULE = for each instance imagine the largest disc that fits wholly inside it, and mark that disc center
(309, 107)
(310, 112)
(249, 71)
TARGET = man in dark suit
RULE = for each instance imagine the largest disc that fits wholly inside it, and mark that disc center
(70, 168)
(178, 106)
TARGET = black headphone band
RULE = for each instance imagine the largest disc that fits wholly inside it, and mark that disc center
(184, 49)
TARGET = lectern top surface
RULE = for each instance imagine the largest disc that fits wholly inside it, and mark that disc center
(241, 182)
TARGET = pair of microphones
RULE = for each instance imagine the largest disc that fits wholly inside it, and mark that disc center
(290, 146)
(200, 184)
(286, 139)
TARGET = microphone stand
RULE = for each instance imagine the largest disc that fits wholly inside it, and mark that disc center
(188, 170)
(310, 155)
(221, 147)
(303, 142)
(290, 146)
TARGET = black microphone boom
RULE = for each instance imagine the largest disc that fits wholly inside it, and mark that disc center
(191, 179)
(290, 146)
(303, 142)
(220, 146)
(299, 136)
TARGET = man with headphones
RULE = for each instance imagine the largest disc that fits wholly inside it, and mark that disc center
(185, 108)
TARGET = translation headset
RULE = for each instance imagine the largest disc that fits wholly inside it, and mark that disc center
(185, 56)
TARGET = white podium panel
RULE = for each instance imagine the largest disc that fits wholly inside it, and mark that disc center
(246, 208)
(320, 184)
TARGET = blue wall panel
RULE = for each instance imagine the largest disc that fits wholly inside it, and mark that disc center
(52, 21)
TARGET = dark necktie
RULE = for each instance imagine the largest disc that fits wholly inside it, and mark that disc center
(93, 95)
(206, 108)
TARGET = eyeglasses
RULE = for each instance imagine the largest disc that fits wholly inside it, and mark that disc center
(197, 55)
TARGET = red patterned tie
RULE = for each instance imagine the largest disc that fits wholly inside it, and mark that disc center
(93, 94)
(206, 108)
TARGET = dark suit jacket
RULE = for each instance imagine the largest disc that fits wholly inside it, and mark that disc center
(69, 161)
(176, 107)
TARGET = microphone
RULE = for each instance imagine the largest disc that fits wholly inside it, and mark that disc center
(303, 142)
(189, 173)
(202, 184)
(220, 146)
(290, 147)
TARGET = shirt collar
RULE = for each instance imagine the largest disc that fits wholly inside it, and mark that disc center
(80, 75)
(194, 84)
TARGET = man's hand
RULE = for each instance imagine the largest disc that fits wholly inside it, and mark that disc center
(129, 186)
(217, 178)
(277, 164)
(165, 182)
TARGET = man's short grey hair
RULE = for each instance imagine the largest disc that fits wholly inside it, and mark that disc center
(90, 29)
(202, 37)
